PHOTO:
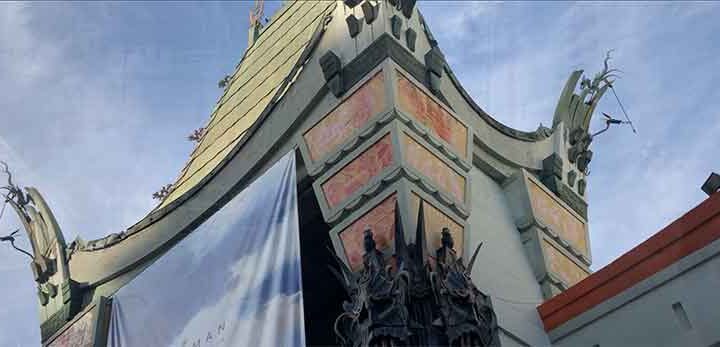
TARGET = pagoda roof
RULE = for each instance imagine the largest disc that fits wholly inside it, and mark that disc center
(253, 88)
(265, 73)
(229, 151)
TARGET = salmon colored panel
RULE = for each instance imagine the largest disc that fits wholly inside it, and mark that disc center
(435, 221)
(689, 233)
(342, 122)
(381, 220)
(414, 102)
(358, 172)
(431, 166)
(562, 266)
(558, 218)
(79, 334)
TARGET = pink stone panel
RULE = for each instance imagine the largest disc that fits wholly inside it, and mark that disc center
(79, 334)
(414, 102)
(381, 220)
(358, 172)
(435, 221)
(342, 122)
(560, 265)
(431, 166)
(560, 220)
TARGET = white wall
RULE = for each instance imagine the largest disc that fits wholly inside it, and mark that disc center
(502, 269)
(636, 319)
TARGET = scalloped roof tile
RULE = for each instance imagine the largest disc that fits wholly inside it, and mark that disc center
(256, 79)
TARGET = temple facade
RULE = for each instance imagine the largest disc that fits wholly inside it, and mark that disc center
(396, 166)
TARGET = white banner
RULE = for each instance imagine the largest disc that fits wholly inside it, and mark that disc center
(235, 281)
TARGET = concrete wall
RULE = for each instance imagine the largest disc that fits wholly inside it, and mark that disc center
(502, 269)
(678, 306)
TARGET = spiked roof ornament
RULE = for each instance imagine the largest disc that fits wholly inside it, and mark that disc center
(471, 263)
(420, 242)
(401, 251)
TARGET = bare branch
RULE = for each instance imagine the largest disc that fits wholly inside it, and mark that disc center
(6, 170)
(11, 238)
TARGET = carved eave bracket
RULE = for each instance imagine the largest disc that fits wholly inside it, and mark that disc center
(46, 239)
(575, 110)
(57, 293)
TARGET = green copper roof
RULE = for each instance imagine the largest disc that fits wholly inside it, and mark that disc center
(252, 86)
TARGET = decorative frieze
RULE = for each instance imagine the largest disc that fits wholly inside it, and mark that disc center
(554, 236)
(561, 266)
(549, 212)
(435, 220)
(81, 333)
(381, 220)
(347, 118)
(358, 172)
(428, 164)
(417, 104)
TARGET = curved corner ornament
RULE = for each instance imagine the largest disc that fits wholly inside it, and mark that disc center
(576, 110)
(412, 300)
(466, 312)
(49, 262)
(376, 314)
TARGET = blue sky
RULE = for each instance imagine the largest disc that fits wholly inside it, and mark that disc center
(96, 100)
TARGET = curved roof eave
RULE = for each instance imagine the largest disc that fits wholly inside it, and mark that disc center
(97, 246)
(533, 136)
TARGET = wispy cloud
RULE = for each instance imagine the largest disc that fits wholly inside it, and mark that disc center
(515, 63)
(96, 100)
(71, 127)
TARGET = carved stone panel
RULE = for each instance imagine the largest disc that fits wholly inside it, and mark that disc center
(435, 221)
(560, 265)
(79, 334)
(431, 166)
(348, 117)
(415, 103)
(381, 220)
(358, 172)
(551, 213)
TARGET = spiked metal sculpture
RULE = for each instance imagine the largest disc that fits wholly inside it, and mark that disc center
(411, 303)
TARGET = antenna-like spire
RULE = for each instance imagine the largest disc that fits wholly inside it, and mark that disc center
(256, 17)
(257, 13)
(401, 253)
(471, 263)
(420, 244)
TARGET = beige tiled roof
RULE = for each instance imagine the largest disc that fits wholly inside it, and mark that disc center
(252, 86)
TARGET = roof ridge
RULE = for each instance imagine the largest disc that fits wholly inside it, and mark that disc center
(214, 120)
(251, 87)
(255, 46)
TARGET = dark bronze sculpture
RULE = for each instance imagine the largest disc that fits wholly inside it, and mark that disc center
(410, 303)
(467, 317)
(376, 314)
